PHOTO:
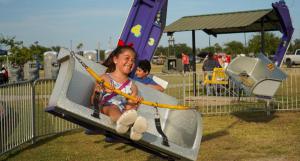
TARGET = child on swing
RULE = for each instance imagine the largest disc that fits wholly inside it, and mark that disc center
(121, 110)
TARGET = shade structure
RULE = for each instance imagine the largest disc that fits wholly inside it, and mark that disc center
(224, 23)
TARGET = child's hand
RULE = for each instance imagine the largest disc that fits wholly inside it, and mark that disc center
(98, 88)
(134, 104)
(139, 99)
(109, 90)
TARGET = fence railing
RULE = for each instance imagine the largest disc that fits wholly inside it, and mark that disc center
(22, 114)
(23, 118)
(225, 99)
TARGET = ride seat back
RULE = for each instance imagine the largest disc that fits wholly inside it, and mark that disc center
(218, 76)
(257, 76)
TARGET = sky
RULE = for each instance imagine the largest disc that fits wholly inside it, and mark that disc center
(99, 23)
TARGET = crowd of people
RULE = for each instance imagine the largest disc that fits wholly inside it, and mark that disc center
(221, 58)
(211, 61)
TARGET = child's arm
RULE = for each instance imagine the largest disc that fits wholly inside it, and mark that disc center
(156, 86)
(133, 104)
(98, 88)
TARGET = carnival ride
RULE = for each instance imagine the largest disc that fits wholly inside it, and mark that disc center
(70, 100)
(174, 132)
(260, 76)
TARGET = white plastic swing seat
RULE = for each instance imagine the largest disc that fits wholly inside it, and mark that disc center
(257, 76)
(70, 100)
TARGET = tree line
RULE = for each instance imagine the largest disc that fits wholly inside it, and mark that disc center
(233, 47)
(21, 54)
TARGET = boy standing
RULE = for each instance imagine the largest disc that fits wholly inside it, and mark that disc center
(141, 75)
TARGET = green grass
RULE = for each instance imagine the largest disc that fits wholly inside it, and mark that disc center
(239, 137)
(246, 136)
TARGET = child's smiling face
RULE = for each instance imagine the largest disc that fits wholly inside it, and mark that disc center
(125, 61)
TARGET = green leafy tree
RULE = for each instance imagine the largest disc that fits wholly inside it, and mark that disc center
(20, 55)
(55, 48)
(209, 49)
(294, 45)
(175, 50)
(271, 43)
(37, 52)
(182, 48)
(102, 55)
(9, 42)
(79, 46)
(160, 50)
(234, 47)
(218, 48)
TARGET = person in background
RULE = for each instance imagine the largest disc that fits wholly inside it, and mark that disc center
(210, 63)
(208, 66)
(221, 60)
(142, 75)
(4, 75)
(227, 60)
(186, 62)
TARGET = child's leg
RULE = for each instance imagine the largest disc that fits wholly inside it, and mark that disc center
(113, 112)
(123, 120)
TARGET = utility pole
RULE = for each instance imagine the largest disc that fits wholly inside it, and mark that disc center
(71, 45)
(98, 53)
(110, 43)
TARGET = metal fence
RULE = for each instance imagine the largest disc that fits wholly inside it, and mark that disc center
(22, 114)
(23, 118)
(226, 99)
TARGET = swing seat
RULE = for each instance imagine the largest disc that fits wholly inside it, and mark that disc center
(257, 76)
(217, 77)
(70, 100)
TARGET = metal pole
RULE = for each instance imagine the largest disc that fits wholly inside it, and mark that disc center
(7, 60)
(173, 42)
(245, 39)
(194, 62)
(262, 37)
(33, 123)
(98, 53)
(245, 44)
(71, 45)
(209, 40)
